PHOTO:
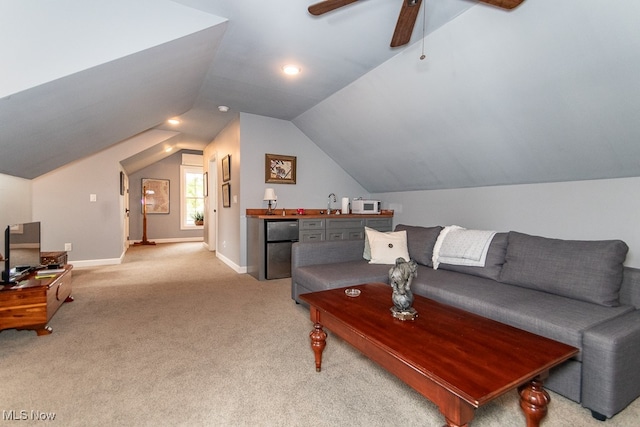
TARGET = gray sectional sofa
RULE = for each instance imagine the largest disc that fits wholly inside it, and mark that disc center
(576, 292)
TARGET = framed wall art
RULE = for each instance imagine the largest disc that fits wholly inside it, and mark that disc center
(205, 184)
(226, 195)
(121, 183)
(226, 168)
(280, 169)
(155, 195)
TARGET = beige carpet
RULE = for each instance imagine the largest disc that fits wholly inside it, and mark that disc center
(173, 337)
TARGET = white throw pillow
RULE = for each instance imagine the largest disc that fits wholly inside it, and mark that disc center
(386, 247)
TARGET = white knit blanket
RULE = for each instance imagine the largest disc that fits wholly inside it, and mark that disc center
(459, 246)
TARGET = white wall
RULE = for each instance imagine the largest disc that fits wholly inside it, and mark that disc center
(579, 210)
(15, 194)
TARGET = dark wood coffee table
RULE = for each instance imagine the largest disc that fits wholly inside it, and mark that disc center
(458, 360)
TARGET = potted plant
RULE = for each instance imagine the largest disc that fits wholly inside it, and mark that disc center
(198, 217)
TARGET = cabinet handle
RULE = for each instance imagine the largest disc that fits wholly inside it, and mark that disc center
(58, 290)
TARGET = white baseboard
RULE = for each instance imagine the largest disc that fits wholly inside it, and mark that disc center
(114, 261)
(238, 269)
(96, 262)
(172, 240)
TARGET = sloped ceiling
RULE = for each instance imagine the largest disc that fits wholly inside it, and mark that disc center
(91, 75)
(546, 92)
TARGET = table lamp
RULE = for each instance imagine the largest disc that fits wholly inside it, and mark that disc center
(270, 196)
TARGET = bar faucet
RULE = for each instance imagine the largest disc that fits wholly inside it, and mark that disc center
(332, 195)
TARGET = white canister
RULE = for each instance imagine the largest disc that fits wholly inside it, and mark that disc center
(345, 205)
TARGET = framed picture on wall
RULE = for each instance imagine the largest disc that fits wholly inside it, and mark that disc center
(226, 168)
(226, 195)
(205, 184)
(280, 169)
(155, 195)
(121, 183)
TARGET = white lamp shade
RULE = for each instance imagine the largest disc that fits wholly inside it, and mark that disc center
(269, 194)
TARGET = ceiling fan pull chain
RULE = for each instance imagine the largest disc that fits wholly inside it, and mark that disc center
(424, 25)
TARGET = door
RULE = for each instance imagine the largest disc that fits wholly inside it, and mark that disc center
(211, 206)
(125, 186)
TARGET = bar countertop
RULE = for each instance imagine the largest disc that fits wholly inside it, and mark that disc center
(310, 214)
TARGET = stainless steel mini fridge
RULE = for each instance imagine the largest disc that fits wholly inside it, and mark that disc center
(281, 234)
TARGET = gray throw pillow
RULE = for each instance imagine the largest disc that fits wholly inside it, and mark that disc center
(420, 241)
(493, 263)
(584, 270)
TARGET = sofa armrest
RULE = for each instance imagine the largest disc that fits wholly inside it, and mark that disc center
(610, 364)
(327, 252)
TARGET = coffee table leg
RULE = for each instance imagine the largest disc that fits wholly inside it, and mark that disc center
(318, 342)
(533, 401)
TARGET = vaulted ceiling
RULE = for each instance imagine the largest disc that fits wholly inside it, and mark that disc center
(545, 92)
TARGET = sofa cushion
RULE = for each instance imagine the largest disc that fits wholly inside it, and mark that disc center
(328, 276)
(561, 318)
(493, 263)
(585, 270)
(420, 241)
(387, 247)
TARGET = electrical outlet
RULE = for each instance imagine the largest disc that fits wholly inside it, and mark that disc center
(68, 247)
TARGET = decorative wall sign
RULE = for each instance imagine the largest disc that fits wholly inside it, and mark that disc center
(226, 195)
(226, 168)
(280, 169)
(157, 195)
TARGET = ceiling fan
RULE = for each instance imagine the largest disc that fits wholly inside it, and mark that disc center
(407, 18)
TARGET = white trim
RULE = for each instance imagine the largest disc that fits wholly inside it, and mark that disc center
(233, 265)
(184, 169)
(173, 240)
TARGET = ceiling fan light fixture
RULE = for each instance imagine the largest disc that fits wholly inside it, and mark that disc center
(291, 70)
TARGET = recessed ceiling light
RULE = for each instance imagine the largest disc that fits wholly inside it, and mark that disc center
(173, 121)
(223, 108)
(291, 70)
(168, 149)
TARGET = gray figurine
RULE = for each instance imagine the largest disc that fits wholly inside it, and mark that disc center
(400, 277)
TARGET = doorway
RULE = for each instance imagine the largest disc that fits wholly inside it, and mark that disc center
(124, 191)
(211, 205)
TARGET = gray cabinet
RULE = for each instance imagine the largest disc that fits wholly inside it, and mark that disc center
(311, 230)
(380, 224)
(345, 228)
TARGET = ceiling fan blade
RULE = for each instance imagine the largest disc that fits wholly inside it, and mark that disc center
(505, 4)
(328, 6)
(406, 21)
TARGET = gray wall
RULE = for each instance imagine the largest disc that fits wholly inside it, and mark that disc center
(159, 226)
(61, 202)
(579, 210)
(248, 140)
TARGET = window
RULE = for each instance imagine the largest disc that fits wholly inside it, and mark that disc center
(191, 196)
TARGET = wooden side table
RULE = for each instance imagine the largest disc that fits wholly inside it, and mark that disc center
(32, 302)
